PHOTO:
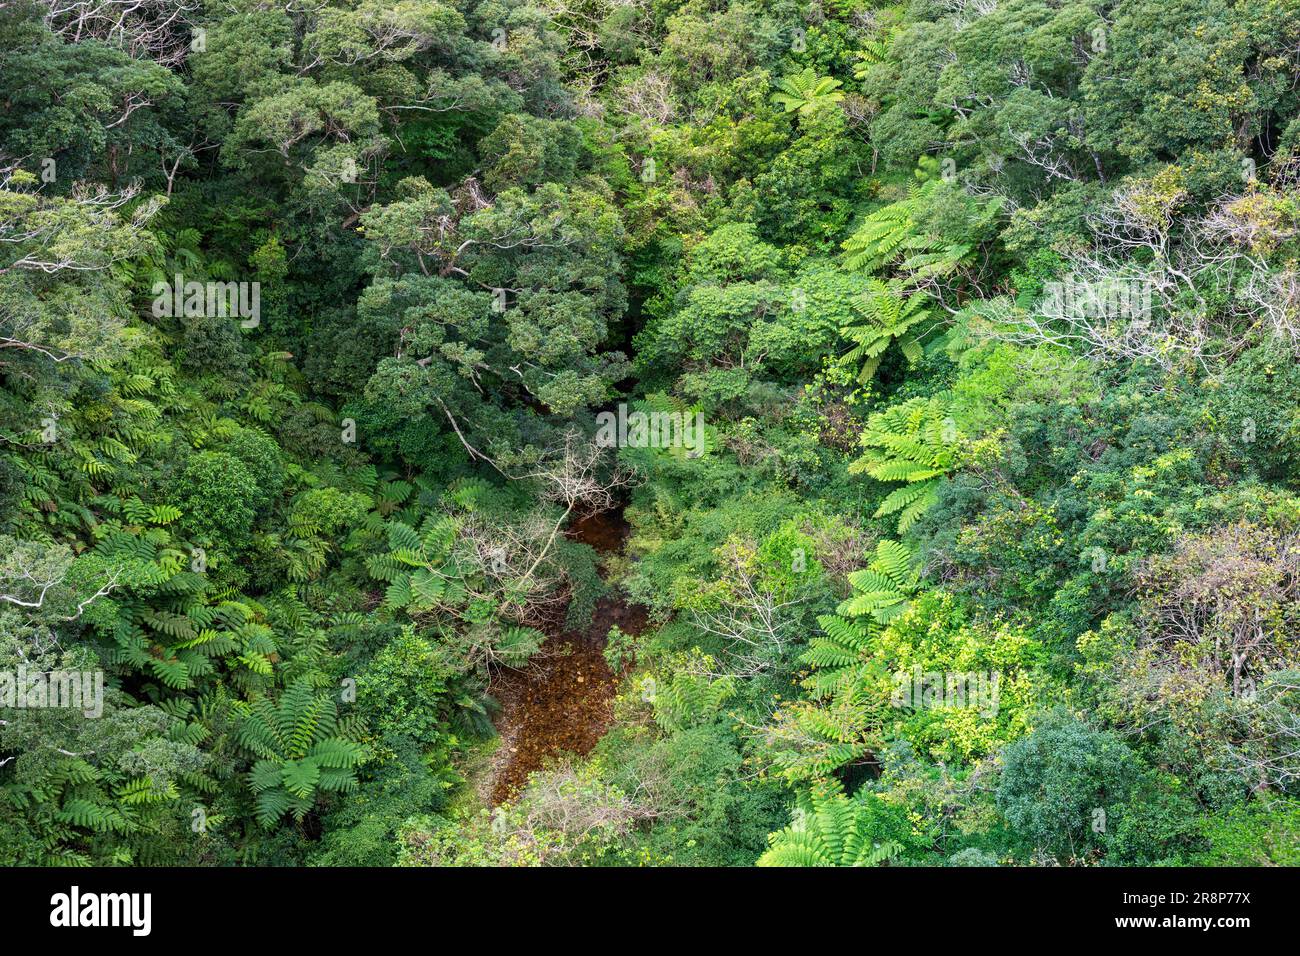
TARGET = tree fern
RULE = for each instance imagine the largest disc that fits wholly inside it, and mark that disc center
(810, 740)
(883, 233)
(660, 403)
(299, 753)
(889, 316)
(915, 442)
(843, 721)
(806, 92)
(841, 656)
(686, 699)
(897, 233)
(829, 829)
(873, 52)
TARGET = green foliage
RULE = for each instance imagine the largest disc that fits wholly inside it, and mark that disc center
(433, 578)
(217, 493)
(298, 754)
(307, 550)
(805, 92)
(1258, 834)
(932, 232)
(1058, 782)
(842, 656)
(404, 688)
(915, 442)
(688, 698)
(888, 315)
(830, 829)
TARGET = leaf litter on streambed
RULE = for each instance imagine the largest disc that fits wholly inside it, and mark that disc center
(562, 702)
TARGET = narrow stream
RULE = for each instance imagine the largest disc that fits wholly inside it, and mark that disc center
(562, 702)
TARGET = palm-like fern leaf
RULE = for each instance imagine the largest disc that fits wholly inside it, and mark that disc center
(806, 92)
(829, 829)
(914, 442)
(888, 317)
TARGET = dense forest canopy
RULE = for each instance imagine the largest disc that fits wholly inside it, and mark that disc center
(877, 424)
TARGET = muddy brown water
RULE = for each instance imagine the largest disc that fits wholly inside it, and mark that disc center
(562, 702)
